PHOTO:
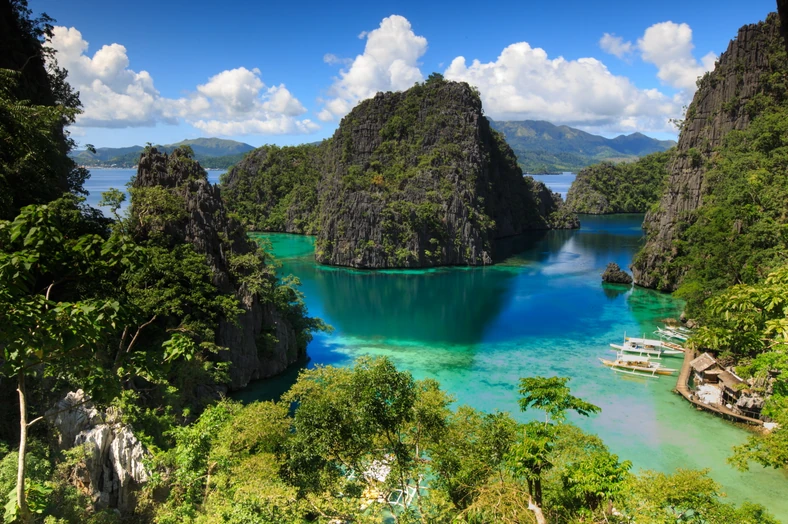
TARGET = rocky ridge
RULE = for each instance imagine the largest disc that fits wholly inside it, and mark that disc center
(410, 179)
(206, 226)
(727, 99)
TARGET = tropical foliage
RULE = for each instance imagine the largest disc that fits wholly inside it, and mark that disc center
(620, 188)
(363, 440)
(36, 103)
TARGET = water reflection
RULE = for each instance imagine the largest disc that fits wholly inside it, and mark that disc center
(613, 291)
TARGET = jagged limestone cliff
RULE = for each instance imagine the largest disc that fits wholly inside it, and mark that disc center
(727, 99)
(263, 340)
(410, 179)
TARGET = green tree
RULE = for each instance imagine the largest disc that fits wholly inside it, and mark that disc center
(36, 103)
(531, 455)
(46, 317)
(684, 496)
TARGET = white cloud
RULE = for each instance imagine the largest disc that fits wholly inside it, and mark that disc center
(669, 46)
(615, 45)
(332, 59)
(234, 90)
(389, 63)
(112, 94)
(524, 83)
(281, 125)
(232, 102)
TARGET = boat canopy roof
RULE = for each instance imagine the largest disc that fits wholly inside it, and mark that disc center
(633, 358)
(645, 341)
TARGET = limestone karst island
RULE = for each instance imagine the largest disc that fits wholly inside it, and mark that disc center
(393, 263)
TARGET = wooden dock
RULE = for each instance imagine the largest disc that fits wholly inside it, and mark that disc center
(683, 389)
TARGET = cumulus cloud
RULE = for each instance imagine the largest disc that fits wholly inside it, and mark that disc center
(669, 46)
(112, 94)
(389, 63)
(615, 45)
(237, 102)
(232, 102)
(524, 83)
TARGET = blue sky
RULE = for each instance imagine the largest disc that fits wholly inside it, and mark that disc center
(286, 72)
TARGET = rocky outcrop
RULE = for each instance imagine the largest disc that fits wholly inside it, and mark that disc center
(261, 341)
(727, 99)
(606, 188)
(615, 275)
(410, 179)
(275, 189)
(582, 197)
(418, 179)
(113, 466)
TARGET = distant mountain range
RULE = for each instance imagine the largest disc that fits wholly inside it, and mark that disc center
(542, 147)
(211, 152)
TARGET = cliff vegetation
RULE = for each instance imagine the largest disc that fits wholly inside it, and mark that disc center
(619, 188)
(720, 199)
(719, 235)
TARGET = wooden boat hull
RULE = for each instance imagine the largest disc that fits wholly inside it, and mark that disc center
(636, 368)
(651, 351)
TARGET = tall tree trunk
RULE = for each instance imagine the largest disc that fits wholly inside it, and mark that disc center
(21, 501)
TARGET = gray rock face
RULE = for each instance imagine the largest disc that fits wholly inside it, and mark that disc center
(719, 106)
(615, 275)
(113, 467)
(207, 227)
(456, 187)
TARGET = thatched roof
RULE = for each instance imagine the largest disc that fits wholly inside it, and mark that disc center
(729, 380)
(703, 362)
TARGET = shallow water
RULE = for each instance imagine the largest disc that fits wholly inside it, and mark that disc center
(542, 311)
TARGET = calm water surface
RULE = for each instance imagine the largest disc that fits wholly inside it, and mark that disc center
(559, 183)
(542, 311)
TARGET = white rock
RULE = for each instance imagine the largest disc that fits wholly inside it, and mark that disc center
(115, 457)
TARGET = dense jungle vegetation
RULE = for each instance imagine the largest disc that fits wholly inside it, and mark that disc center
(123, 310)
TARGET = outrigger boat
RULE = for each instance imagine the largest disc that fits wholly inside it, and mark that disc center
(637, 365)
(650, 351)
(672, 333)
(668, 348)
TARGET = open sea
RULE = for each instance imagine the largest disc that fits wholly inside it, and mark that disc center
(542, 311)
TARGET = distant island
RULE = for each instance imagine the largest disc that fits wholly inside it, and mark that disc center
(542, 147)
(212, 153)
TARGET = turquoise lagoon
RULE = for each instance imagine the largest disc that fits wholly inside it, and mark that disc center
(542, 310)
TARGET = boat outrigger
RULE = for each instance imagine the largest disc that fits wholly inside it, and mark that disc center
(666, 348)
(637, 365)
(672, 333)
(649, 351)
